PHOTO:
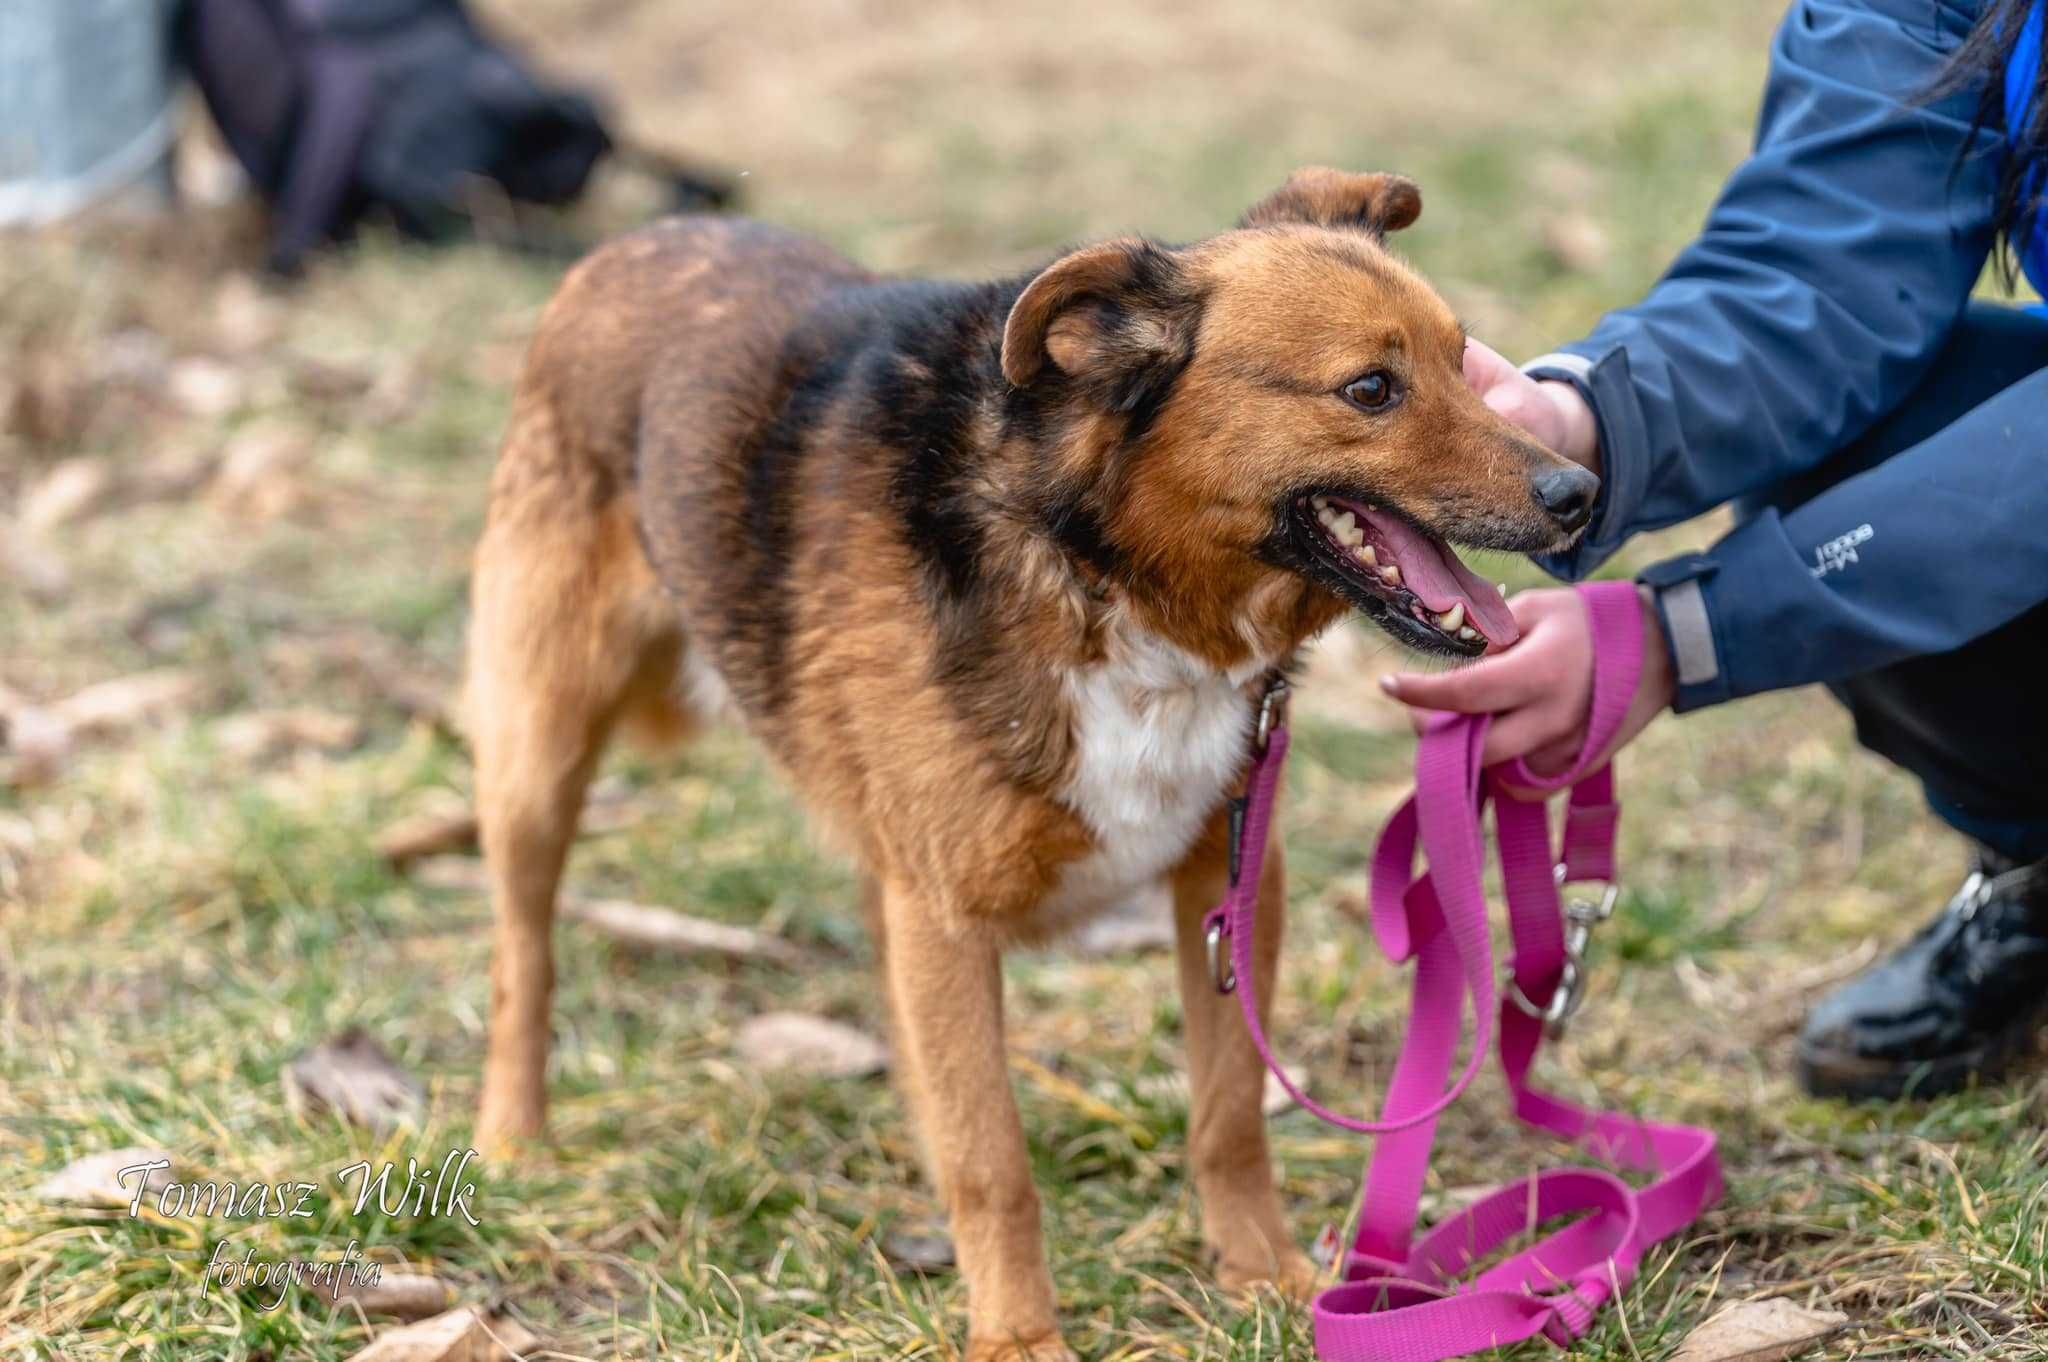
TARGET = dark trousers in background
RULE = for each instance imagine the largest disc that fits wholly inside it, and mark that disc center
(1973, 723)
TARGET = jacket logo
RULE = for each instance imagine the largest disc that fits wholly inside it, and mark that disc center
(1837, 554)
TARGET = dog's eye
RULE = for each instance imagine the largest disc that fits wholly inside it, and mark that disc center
(1372, 392)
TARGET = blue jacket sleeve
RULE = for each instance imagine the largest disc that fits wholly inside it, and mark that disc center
(1931, 548)
(1829, 272)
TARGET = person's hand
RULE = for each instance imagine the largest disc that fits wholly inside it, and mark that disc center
(1553, 413)
(1540, 689)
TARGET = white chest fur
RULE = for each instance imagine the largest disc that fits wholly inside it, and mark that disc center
(1158, 735)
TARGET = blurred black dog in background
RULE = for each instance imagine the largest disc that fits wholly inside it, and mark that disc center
(343, 109)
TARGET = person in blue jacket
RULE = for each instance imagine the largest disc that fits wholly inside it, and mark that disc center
(1814, 358)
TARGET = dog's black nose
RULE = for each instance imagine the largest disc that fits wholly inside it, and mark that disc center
(1567, 493)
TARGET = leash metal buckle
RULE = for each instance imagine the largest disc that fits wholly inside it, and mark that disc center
(1581, 916)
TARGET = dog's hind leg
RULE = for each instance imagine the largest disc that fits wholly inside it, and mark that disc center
(570, 634)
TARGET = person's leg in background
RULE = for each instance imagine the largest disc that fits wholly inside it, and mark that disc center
(1970, 991)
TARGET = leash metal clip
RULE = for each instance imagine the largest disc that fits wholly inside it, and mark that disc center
(1219, 964)
(1581, 916)
(1272, 714)
(1272, 710)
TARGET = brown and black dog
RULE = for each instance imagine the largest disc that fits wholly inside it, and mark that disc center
(996, 572)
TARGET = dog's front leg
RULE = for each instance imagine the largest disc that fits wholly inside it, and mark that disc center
(1241, 1217)
(946, 991)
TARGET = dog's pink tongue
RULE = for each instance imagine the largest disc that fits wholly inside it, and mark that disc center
(1432, 571)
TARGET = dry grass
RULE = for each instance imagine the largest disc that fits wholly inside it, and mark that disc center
(179, 916)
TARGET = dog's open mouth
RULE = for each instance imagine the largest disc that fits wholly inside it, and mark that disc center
(1408, 581)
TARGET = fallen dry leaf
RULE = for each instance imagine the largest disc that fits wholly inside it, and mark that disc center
(258, 735)
(922, 1252)
(1172, 1089)
(73, 490)
(662, 929)
(78, 489)
(1274, 1099)
(610, 807)
(169, 476)
(797, 1042)
(352, 1076)
(1759, 1331)
(204, 387)
(112, 707)
(464, 1335)
(318, 380)
(638, 925)
(39, 739)
(95, 1179)
(258, 471)
(434, 833)
(403, 1295)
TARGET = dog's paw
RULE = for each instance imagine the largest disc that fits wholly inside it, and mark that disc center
(505, 1130)
(1049, 1348)
(1293, 1275)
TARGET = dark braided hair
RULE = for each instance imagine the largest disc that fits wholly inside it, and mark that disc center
(1980, 65)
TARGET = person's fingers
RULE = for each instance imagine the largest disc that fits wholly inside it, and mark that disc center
(1555, 757)
(1551, 759)
(1484, 366)
(1501, 681)
(1525, 733)
(1517, 733)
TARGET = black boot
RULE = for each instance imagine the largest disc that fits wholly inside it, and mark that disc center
(1958, 1002)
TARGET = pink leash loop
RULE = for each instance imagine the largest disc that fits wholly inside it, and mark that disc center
(1401, 1300)
(1435, 1016)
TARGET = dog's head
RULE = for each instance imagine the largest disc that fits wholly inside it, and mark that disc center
(1279, 415)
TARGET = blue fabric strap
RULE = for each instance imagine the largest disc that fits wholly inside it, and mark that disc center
(2021, 72)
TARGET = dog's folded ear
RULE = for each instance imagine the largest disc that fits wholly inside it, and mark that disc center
(1376, 204)
(1119, 318)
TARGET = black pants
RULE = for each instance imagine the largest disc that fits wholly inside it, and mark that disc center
(1973, 723)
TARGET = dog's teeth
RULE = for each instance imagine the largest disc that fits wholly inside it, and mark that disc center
(1451, 618)
(1368, 554)
(1344, 523)
(1468, 633)
(1327, 516)
(1501, 587)
(1391, 575)
(1353, 537)
(1320, 503)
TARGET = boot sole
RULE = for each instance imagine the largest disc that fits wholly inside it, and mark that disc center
(1848, 1076)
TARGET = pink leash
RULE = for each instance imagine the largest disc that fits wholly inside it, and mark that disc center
(1400, 1300)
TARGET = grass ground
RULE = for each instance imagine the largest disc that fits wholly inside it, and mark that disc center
(182, 910)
